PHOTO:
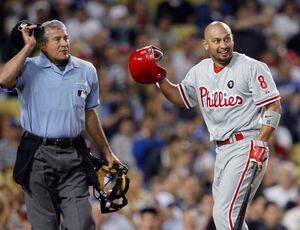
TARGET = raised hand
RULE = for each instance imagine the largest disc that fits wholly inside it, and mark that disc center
(28, 37)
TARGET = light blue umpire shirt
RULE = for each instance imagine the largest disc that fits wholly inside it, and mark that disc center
(53, 102)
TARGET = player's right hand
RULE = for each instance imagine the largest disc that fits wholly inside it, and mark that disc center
(143, 67)
(28, 36)
(259, 153)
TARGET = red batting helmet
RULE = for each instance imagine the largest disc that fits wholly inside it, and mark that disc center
(143, 67)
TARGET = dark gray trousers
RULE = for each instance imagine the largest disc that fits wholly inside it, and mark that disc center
(57, 185)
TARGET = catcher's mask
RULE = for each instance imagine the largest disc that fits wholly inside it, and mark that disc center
(114, 184)
(143, 67)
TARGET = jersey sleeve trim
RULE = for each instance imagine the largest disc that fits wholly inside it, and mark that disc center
(268, 101)
(184, 96)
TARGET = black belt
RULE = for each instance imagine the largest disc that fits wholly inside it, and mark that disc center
(60, 142)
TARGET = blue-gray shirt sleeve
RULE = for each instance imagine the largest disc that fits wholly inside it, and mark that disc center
(24, 74)
(93, 97)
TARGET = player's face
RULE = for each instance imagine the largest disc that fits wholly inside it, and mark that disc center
(219, 43)
(57, 46)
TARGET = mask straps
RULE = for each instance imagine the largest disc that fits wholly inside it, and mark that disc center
(109, 206)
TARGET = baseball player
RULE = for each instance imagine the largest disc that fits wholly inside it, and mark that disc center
(241, 108)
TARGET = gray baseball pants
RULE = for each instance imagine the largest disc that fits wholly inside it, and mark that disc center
(57, 187)
(232, 175)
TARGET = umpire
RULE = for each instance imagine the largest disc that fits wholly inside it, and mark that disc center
(58, 94)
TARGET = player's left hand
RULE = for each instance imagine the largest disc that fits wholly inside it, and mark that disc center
(259, 152)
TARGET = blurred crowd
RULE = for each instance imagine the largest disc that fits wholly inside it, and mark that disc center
(167, 148)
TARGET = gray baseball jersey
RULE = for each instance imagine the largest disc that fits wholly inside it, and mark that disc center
(230, 101)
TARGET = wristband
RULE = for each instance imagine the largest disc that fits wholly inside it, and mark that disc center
(159, 83)
(271, 119)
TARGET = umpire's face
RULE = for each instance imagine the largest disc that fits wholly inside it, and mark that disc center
(218, 42)
(56, 46)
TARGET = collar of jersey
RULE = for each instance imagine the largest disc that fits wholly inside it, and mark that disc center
(228, 65)
(43, 61)
(218, 69)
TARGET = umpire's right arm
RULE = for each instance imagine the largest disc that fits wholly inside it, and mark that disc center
(11, 69)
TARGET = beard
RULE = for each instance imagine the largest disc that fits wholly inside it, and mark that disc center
(223, 58)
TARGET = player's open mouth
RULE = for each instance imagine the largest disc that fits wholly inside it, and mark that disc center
(224, 52)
